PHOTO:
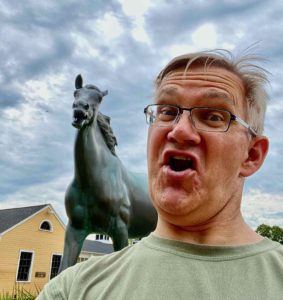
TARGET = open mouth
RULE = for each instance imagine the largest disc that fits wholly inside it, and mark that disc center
(78, 118)
(180, 163)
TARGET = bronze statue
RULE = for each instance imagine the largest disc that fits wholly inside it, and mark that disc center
(103, 197)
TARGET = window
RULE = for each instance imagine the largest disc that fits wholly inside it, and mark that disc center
(81, 259)
(56, 260)
(24, 269)
(101, 237)
(135, 241)
(46, 226)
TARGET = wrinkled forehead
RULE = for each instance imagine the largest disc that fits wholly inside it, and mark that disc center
(215, 79)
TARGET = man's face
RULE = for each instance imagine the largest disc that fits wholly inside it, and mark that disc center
(213, 183)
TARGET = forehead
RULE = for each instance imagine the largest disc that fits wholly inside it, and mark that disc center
(212, 82)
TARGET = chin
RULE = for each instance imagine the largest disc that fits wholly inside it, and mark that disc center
(175, 202)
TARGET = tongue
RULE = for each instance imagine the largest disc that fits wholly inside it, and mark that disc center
(180, 164)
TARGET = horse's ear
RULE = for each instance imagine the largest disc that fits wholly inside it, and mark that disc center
(104, 93)
(79, 82)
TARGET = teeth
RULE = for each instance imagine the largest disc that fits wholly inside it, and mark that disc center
(180, 163)
(180, 157)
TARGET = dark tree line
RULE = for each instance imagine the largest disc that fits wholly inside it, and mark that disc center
(274, 233)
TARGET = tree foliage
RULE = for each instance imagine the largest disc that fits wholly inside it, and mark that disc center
(274, 233)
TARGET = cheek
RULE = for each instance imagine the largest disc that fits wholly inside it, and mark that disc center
(227, 156)
(148, 142)
(152, 152)
(155, 146)
(155, 140)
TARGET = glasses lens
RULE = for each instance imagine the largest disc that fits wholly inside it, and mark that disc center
(210, 119)
(161, 115)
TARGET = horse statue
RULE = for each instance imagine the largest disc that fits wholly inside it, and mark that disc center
(103, 196)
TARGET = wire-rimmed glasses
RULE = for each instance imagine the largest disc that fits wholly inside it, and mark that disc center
(203, 118)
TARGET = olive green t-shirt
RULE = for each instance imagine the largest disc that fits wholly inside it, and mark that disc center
(157, 268)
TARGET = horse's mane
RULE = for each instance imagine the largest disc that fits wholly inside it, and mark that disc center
(107, 132)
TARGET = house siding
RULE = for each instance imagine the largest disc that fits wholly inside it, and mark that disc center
(28, 237)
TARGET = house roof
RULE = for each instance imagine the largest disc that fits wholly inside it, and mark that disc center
(98, 247)
(12, 216)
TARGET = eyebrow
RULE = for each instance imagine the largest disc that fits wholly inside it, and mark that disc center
(213, 94)
(209, 94)
(167, 91)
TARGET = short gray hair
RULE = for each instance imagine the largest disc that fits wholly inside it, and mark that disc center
(246, 67)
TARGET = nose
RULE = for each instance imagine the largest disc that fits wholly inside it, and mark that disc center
(183, 131)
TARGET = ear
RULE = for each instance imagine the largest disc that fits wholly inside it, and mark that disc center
(79, 82)
(256, 155)
(104, 93)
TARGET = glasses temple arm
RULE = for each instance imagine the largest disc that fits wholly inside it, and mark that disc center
(242, 122)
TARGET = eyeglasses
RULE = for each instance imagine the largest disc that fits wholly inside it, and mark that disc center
(203, 118)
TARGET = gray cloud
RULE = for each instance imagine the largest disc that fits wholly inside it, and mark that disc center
(171, 22)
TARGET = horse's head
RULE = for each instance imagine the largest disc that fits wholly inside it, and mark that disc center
(86, 103)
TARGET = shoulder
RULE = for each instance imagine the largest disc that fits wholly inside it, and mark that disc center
(273, 246)
(270, 256)
(63, 285)
(98, 263)
(59, 287)
(276, 250)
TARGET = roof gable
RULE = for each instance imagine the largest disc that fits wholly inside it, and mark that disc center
(11, 217)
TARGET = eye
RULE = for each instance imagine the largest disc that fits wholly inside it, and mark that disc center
(211, 117)
(74, 105)
(166, 112)
(215, 117)
(86, 106)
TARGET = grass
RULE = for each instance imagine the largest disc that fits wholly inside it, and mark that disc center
(17, 297)
(19, 293)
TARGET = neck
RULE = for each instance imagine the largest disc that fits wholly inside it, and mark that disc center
(87, 153)
(232, 231)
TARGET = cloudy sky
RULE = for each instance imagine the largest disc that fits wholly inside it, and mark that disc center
(119, 45)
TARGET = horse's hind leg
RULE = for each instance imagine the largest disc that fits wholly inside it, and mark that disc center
(120, 235)
(74, 239)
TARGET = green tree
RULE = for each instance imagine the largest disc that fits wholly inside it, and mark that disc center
(274, 233)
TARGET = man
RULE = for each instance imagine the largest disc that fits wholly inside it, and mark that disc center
(205, 137)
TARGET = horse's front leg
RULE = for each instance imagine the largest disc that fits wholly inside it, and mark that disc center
(120, 235)
(119, 232)
(74, 239)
